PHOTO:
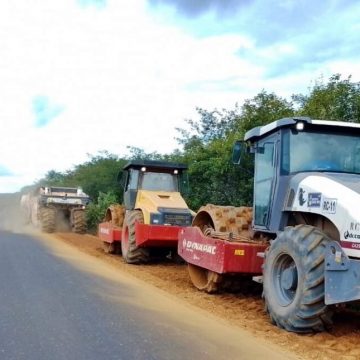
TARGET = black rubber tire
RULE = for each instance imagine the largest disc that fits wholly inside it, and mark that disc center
(48, 219)
(294, 280)
(131, 253)
(79, 222)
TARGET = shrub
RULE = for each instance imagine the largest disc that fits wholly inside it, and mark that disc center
(95, 212)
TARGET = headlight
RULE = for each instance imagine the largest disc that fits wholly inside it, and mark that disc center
(300, 126)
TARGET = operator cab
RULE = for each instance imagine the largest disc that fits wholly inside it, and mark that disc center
(296, 147)
(152, 176)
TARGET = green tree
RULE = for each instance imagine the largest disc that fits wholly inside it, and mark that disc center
(54, 177)
(338, 99)
(98, 174)
(208, 144)
(137, 153)
(261, 110)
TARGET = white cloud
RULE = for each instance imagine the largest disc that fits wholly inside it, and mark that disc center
(121, 78)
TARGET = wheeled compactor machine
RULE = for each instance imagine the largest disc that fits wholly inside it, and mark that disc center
(301, 237)
(147, 225)
(54, 208)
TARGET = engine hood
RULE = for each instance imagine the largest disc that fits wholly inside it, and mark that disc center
(334, 196)
(160, 199)
(351, 181)
(151, 202)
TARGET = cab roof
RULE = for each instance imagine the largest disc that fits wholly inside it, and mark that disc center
(261, 131)
(154, 164)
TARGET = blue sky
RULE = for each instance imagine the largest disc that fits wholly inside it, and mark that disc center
(100, 4)
(44, 110)
(79, 76)
(308, 33)
(4, 171)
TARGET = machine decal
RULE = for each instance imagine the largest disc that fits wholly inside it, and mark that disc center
(350, 245)
(314, 200)
(104, 231)
(192, 245)
(351, 235)
(239, 252)
(355, 226)
(329, 206)
(301, 196)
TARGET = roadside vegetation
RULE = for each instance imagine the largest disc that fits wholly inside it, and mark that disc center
(205, 145)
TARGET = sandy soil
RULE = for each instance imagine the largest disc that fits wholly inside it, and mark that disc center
(242, 310)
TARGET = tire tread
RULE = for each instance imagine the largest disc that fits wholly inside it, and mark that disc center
(307, 312)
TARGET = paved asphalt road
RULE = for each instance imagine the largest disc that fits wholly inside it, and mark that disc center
(51, 310)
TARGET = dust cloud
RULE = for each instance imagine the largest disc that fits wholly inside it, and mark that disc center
(63, 221)
(14, 219)
(11, 217)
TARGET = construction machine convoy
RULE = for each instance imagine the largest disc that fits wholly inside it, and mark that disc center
(146, 226)
(55, 208)
(301, 238)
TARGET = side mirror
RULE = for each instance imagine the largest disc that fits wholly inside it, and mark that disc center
(241, 156)
(237, 152)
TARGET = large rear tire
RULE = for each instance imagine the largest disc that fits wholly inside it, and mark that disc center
(48, 219)
(294, 280)
(79, 222)
(131, 253)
